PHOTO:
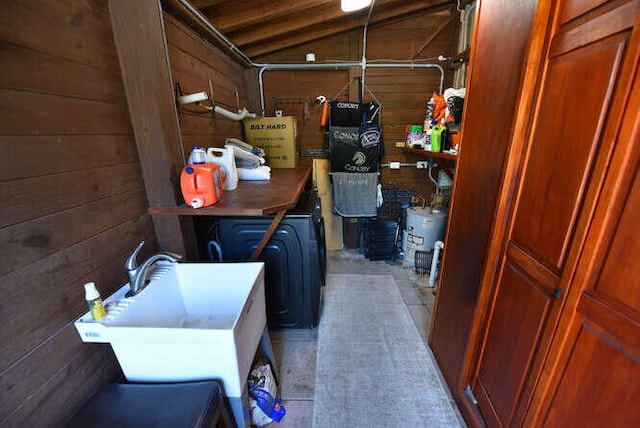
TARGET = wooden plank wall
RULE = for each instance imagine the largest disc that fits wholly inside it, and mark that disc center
(402, 92)
(193, 62)
(73, 206)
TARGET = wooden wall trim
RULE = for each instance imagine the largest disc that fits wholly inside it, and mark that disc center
(139, 35)
(138, 29)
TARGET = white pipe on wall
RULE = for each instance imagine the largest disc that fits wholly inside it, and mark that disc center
(234, 116)
(433, 274)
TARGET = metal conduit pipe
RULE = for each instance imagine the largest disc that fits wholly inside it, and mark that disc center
(336, 66)
(195, 12)
(303, 66)
(265, 67)
(433, 180)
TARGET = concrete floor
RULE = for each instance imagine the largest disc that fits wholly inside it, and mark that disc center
(295, 349)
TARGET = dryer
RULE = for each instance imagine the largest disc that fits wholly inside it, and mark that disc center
(295, 258)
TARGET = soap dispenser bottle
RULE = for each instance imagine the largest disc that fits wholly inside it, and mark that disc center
(92, 296)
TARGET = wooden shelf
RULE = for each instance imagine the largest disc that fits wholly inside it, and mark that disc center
(253, 198)
(447, 156)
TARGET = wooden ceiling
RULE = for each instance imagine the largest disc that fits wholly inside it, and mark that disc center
(260, 27)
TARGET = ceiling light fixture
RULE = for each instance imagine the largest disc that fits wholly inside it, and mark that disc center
(353, 5)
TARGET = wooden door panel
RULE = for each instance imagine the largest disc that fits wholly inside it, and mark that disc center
(622, 324)
(573, 8)
(595, 379)
(545, 278)
(620, 283)
(566, 138)
(519, 316)
(600, 385)
(608, 22)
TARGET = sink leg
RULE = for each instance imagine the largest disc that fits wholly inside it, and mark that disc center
(241, 410)
(267, 350)
(240, 406)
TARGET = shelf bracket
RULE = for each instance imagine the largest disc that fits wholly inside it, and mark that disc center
(267, 235)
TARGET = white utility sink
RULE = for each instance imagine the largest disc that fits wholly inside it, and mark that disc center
(193, 321)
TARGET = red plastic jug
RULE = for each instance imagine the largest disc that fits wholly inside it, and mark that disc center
(201, 184)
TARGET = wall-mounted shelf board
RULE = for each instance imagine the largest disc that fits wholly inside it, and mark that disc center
(440, 155)
(253, 198)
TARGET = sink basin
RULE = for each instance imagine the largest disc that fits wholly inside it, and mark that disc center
(193, 321)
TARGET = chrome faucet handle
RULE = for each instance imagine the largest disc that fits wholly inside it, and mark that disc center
(139, 282)
(131, 265)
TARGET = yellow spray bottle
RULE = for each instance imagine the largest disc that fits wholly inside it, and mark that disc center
(92, 296)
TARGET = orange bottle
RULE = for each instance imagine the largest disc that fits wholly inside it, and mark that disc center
(201, 184)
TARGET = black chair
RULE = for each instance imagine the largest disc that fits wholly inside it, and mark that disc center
(191, 404)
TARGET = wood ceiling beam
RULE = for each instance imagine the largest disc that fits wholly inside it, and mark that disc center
(317, 19)
(227, 16)
(200, 4)
(277, 42)
(433, 36)
(270, 46)
(182, 14)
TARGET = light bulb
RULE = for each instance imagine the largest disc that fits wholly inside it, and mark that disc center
(353, 5)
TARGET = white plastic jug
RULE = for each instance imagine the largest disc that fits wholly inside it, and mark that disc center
(197, 156)
(226, 160)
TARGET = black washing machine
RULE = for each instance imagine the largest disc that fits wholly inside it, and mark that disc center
(295, 258)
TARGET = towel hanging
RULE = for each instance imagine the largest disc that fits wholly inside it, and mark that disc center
(355, 194)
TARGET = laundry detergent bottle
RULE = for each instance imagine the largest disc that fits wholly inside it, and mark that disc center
(201, 184)
(227, 161)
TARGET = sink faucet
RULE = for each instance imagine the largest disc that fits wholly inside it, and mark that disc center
(138, 274)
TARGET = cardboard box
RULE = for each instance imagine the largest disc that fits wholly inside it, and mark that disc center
(277, 136)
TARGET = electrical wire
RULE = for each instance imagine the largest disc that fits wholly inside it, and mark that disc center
(364, 48)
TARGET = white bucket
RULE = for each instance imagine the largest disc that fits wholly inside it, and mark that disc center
(423, 229)
(227, 163)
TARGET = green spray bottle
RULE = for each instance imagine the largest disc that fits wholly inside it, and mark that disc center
(438, 132)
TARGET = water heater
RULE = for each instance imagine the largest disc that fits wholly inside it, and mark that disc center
(423, 229)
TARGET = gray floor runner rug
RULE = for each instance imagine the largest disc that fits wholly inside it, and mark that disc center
(373, 369)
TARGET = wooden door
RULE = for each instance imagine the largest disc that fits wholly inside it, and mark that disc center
(579, 99)
(594, 371)
(597, 380)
